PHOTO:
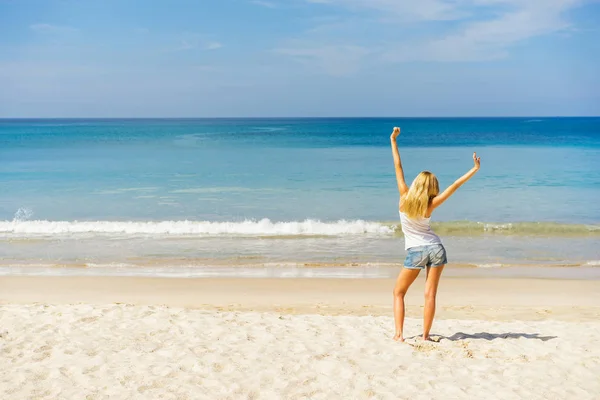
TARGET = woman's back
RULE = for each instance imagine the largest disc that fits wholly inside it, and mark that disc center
(417, 231)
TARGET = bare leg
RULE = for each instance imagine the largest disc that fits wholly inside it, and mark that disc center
(431, 287)
(405, 279)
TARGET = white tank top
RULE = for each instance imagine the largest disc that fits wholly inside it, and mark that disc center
(417, 232)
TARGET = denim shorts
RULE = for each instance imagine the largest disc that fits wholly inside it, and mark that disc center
(433, 255)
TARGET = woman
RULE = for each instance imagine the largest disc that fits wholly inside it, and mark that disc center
(424, 248)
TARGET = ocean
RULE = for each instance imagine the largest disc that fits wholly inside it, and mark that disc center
(290, 197)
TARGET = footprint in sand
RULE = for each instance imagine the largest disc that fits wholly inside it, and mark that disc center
(42, 349)
(424, 347)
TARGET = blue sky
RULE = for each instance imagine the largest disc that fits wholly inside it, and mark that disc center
(251, 58)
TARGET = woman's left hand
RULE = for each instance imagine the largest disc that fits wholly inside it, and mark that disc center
(476, 161)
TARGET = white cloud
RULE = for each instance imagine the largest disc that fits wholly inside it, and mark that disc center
(52, 29)
(213, 46)
(424, 10)
(262, 3)
(484, 40)
(481, 30)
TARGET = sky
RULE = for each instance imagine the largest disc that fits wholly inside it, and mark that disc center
(299, 58)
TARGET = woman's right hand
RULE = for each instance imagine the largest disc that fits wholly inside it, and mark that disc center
(395, 133)
(476, 161)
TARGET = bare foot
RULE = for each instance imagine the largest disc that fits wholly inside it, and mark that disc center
(398, 337)
(431, 339)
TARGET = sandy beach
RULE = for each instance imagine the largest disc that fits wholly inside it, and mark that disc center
(145, 338)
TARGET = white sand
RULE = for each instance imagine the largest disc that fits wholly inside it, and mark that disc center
(122, 351)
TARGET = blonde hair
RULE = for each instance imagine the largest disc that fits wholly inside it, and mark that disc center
(423, 189)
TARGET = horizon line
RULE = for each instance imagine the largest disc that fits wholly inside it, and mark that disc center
(288, 117)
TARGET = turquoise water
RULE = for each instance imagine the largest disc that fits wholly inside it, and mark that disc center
(270, 192)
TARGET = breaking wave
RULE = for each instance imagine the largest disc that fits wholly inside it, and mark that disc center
(264, 227)
(21, 227)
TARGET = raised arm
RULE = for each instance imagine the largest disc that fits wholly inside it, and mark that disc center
(442, 197)
(402, 187)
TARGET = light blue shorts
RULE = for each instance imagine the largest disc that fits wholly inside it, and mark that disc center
(433, 255)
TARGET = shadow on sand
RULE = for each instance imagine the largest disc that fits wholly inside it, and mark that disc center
(494, 336)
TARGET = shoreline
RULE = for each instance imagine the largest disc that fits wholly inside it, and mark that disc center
(459, 298)
(301, 271)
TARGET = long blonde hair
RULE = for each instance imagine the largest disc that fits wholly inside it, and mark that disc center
(423, 189)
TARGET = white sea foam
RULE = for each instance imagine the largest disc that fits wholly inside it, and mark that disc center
(128, 190)
(212, 190)
(23, 214)
(497, 227)
(264, 227)
(270, 129)
(491, 265)
(226, 189)
(593, 263)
